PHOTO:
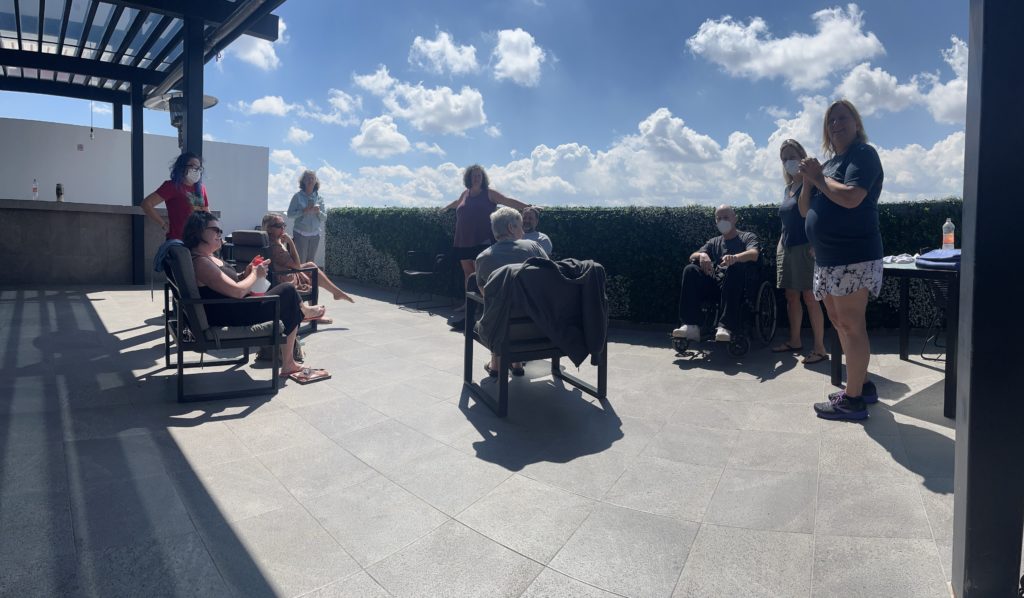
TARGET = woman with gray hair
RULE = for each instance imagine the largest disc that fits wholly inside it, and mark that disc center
(307, 208)
(510, 248)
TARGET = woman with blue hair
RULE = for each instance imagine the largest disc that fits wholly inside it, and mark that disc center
(183, 193)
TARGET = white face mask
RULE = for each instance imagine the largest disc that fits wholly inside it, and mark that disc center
(192, 176)
(792, 167)
(724, 226)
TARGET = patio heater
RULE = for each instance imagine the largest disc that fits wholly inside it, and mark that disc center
(174, 103)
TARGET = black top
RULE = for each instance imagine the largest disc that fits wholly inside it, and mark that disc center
(719, 247)
(841, 235)
(793, 233)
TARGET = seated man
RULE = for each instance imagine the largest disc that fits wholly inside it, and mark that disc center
(531, 218)
(509, 248)
(716, 272)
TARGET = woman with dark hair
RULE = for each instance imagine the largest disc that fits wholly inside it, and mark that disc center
(795, 260)
(839, 199)
(202, 235)
(473, 216)
(307, 208)
(183, 193)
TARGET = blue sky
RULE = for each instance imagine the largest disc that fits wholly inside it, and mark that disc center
(584, 103)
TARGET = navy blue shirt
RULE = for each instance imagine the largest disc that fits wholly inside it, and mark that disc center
(793, 233)
(841, 235)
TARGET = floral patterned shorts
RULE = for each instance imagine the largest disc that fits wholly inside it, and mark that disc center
(849, 278)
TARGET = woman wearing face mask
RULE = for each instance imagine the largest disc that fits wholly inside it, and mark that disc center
(183, 193)
(839, 199)
(795, 260)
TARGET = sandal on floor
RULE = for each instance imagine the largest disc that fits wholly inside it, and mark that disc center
(813, 357)
(490, 372)
(786, 348)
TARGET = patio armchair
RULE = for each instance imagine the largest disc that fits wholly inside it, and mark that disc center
(185, 323)
(423, 267)
(522, 339)
(247, 244)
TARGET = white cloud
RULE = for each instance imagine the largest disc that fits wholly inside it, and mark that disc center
(872, 90)
(493, 131)
(378, 83)
(430, 148)
(776, 111)
(259, 52)
(298, 136)
(437, 110)
(284, 158)
(915, 172)
(441, 54)
(209, 137)
(379, 138)
(519, 57)
(667, 138)
(343, 109)
(101, 108)
(804, 61)
(274, 105)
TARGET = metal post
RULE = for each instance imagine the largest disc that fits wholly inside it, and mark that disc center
(192, 85)
(988, 509)
(118, 116)
(138, 221)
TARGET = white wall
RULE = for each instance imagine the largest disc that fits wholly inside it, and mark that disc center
(235, 175)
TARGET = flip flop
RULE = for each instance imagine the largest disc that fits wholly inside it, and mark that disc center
(786, 348)
(813, 357)
(320, 316)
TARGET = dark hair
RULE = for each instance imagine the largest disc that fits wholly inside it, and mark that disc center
(467, 177)
(180, 166)
(192, 235)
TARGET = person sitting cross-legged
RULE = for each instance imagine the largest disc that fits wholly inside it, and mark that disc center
(509, 248)
(717, 272)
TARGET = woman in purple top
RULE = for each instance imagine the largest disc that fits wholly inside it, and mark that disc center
(839, 199)
(473, 216)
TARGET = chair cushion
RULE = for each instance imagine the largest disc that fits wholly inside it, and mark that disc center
(250, 238)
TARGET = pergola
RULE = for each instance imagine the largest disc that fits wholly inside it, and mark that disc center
(124, 52)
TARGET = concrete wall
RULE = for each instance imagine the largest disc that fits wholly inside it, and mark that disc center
(100, 172)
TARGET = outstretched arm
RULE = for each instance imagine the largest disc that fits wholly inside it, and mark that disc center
(498, 198)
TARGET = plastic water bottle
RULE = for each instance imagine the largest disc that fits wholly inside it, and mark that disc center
(948, 234)
(35, 189)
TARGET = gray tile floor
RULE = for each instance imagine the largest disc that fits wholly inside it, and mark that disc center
(699, 477)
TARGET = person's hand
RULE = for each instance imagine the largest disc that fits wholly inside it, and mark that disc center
(247, 271)
(261, 270)
(705, 263)
(285, 240)
(729, 260)
(810, 168)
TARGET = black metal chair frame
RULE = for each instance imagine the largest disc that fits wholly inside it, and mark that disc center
(187, 338)
(416, 260)
(514, 350)
(312, 295)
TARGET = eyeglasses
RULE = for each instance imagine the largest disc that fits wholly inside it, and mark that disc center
(196, 168)
(219, 231)
(277, 225)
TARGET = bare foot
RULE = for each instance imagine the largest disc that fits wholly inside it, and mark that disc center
(313, 312)
(341, 295)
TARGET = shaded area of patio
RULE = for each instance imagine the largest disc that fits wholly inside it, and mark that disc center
(699, 477)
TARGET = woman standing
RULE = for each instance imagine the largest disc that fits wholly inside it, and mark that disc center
(307, 208)
(183, 193)
(795, 260)
(840, 201)
(473, 217)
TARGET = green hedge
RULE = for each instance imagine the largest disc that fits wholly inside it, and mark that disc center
(643, 249)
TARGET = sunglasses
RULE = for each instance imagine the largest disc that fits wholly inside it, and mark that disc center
(277, 225)
(216, 230)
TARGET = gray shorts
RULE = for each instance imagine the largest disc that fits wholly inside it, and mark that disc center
(839, 281)
(795, 267)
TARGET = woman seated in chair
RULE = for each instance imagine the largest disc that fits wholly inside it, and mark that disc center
(202, 235)
(285, 256)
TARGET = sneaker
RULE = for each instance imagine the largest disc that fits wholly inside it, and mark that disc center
(842, 406)
(869, 393)
(687, 331)
(723, 335)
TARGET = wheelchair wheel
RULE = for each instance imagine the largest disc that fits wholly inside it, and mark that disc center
(681, 345)
(739, 346)
(765, 313)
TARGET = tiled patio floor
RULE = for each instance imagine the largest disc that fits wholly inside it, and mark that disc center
(706, 477)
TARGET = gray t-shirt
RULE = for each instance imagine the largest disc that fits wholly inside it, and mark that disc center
(540, 239)
(503, 253)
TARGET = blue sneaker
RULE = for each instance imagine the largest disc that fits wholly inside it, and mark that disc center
(842, 406)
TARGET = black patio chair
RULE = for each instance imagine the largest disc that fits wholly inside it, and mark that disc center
(421, 270)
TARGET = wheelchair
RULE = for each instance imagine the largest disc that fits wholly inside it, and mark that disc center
(759, 318)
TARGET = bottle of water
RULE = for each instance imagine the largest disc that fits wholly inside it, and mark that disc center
(948, 234)
(35, 189)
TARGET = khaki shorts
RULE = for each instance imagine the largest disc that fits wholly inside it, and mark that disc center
(795, 267)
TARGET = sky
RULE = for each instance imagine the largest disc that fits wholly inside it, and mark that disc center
(570, 102)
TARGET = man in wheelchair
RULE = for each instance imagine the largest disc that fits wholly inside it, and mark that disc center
(717, 272)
